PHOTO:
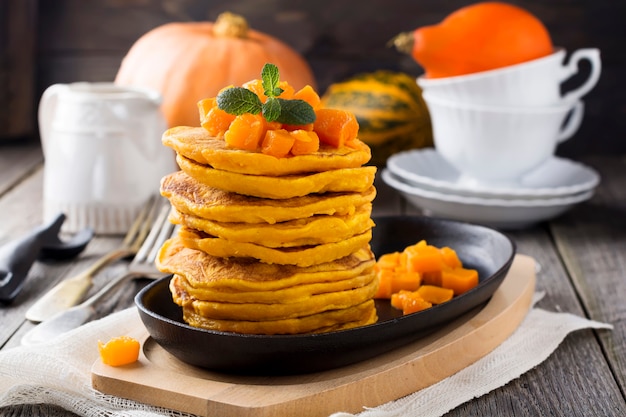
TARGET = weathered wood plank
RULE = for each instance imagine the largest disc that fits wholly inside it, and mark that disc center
(578, 359)
(592, 242)
(17, 67)
(17, 160)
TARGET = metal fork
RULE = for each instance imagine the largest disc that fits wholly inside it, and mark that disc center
(142, 266)
(71, 291)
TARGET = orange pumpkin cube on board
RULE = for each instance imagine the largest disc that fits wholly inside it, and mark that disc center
(119, 351)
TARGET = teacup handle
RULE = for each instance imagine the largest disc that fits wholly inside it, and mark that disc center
(46, 111)
(593, 56)
(573, 123)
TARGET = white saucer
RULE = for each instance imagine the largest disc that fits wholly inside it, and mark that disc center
(494, 212)
(428, 170)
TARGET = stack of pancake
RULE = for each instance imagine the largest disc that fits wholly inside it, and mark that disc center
(269, 245)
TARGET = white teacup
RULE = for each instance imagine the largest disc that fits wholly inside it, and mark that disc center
(532, 83)
(497, 145)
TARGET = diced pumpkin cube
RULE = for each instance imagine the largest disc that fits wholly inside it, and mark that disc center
(459, 280)
(389, 260)
(204, 106)
(277, 143)
(414, 304)
(245, 132)
(217, 121)
(409, 281)
(434, 294)
(308, 94)
(410, 302)
(450, 257)
(385, 283)
(119, 351)
(423, 258)
(397, 299)
(306, 142)
(335, 127)
(288, 90)
(256, 86)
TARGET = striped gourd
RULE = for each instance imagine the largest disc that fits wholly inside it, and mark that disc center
(390, 110)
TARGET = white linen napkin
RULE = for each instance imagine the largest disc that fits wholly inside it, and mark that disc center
(58, 372)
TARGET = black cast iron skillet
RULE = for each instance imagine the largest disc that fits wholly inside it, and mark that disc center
(482, 248)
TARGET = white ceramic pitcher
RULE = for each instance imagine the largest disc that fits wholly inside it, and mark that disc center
(103, 153)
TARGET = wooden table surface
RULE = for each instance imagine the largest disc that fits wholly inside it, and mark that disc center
(583, 262)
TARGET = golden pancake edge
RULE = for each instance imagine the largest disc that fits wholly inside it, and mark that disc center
(191, 197)
(280, 187)
(198, 145)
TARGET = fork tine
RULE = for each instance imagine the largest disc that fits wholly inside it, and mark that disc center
(139, 220)
(149, 231)
(155, 228)
(166, 231)
(146, 227)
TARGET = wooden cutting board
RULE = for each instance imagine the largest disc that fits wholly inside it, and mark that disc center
(160, 379)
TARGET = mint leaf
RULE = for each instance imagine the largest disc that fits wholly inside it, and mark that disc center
(271, 109)
(270, 79)
(295, 112)
(239, 100)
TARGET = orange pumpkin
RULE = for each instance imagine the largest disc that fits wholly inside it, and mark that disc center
(189, 61)
(478, 37)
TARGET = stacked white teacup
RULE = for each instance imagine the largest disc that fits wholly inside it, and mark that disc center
(495, 126)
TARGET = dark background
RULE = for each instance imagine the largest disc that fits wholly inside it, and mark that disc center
(50, 41)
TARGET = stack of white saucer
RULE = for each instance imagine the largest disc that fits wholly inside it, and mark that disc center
(429, 182)
(495, 135)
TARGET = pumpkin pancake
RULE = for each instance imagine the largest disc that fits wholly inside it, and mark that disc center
(327, 321)
(196, 144)
(296, 293)
(313, 230)
(287, 186)
(276, 311)
(191, 197)
(296, 255)
(204, 271)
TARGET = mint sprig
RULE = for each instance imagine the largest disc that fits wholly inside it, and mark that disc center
(239, 100)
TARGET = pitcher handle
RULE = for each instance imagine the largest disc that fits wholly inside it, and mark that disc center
(573, 123)
(46, 111)
(593, 56)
